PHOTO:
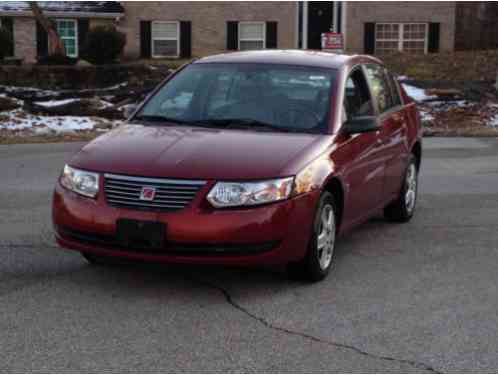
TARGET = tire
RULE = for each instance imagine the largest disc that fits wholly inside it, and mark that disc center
(319, 258)
(96, 259)
(403, 208)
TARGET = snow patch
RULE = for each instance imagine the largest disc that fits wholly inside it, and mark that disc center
(100, 104)
(109, 88)
(17, 101)
(16, 89)
(426, 116)
(55, 103)
(19, 120)
(452, 103)
(493, 121)
(103, 104)
(416, 93)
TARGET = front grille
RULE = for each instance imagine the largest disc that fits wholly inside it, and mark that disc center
(170, 195)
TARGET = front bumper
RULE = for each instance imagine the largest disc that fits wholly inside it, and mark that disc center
(271, 234)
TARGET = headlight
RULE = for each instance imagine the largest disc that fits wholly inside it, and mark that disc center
(81, 182)
(232, 194)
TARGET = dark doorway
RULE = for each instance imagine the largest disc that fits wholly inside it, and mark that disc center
(320, 19)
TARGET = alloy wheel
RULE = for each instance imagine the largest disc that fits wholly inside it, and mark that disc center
(411, 188)
(326, 237)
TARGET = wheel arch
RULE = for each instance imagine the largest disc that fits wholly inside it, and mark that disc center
(335, 187)
(417, 151)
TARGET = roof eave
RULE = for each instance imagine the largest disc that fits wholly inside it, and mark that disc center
(64, 14)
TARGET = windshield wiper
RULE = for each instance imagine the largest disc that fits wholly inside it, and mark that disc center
(157, 118)
(230, 123)
(225, 123)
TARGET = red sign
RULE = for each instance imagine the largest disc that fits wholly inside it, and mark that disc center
(332, 41)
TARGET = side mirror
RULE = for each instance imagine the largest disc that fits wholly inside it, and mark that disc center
(358, 125)
(128, 110)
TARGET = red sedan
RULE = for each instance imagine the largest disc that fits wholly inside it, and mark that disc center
(260, 157)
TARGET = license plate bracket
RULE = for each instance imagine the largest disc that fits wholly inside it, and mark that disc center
(141, 234)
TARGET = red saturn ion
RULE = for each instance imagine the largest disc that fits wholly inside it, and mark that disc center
(260, 157)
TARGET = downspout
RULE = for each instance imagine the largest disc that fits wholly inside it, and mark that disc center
(335, 29)
(305, 25)
(344, 17)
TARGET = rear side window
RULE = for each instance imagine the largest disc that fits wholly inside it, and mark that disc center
(380, 86)
(394, 89)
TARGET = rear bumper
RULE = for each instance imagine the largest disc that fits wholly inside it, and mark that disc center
(271, 234)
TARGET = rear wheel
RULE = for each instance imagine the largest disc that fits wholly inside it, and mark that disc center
(319, 258)
(402, 209)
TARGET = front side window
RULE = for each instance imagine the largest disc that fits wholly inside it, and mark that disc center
(357, 100)
(380, 87)
(401, 37)
(283, 97)
(251, 35)
(68, 32)
(165, 38)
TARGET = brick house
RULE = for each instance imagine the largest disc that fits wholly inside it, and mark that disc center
(73, 20)
(181, 29)
(185, 29)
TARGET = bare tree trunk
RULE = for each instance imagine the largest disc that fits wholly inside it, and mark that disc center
(55, 45)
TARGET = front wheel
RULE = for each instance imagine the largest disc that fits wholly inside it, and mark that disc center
(97, 259)
(319, 258)
(402, 209)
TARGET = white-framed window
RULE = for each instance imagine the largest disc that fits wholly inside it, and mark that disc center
(165, 38)
(68, 32)
(401, 37)
(252, 35)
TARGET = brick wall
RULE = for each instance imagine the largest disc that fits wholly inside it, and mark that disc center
(25, 38)
(476, 25)
(94, 22)
(208, 21)
(360, 12)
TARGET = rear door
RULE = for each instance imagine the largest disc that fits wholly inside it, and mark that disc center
(393, 134)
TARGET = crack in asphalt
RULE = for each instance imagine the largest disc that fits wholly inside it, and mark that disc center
(45, 243)
(229, 299)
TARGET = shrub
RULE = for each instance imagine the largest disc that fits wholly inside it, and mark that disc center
(5, 43)
(57, 60)
(103, 45)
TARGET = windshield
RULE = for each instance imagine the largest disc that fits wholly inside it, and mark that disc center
(254, 96)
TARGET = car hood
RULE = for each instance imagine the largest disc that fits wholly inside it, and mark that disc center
(195, 153)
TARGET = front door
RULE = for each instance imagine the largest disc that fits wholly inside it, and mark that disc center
(364, 175)
(320, 19)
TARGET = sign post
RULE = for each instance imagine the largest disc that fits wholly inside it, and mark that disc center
(332, 42)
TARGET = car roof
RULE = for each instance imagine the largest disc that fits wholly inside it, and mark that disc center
(290, 57)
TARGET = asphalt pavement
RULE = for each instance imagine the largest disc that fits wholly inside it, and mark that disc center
(416, 297)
